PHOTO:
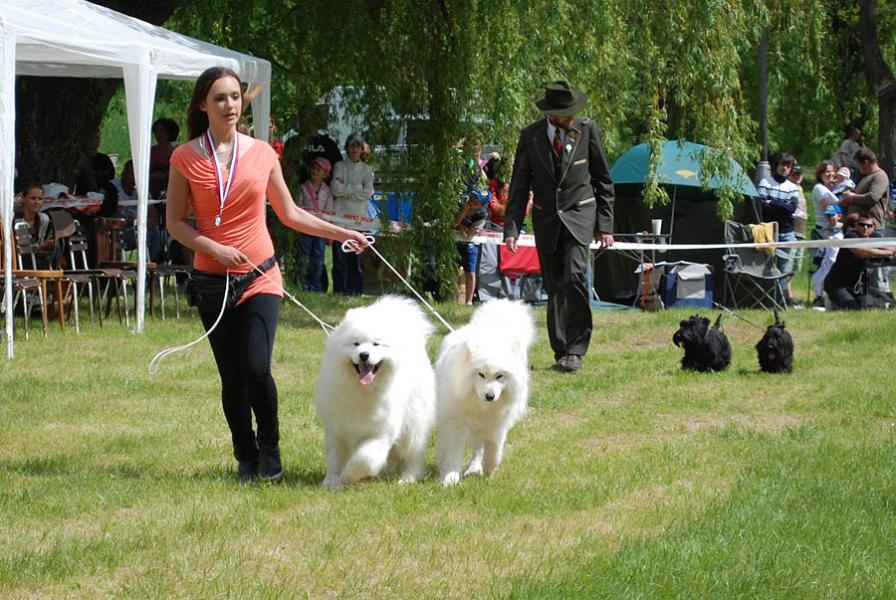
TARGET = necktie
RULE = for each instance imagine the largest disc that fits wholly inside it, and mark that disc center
(558, 142)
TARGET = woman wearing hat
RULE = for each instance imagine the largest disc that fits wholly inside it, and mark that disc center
(561, 159)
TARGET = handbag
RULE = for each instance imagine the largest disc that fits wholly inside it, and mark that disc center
(206, 291)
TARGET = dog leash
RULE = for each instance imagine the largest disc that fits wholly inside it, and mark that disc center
(157, 359)
(347, 246)
(352, 246)
(737, 316)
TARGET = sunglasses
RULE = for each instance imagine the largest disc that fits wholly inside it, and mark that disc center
(868, 225)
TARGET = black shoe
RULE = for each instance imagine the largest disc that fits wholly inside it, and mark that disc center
(569, 363)
(270, 468)
(248, 470)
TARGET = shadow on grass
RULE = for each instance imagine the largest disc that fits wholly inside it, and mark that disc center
(60, 465)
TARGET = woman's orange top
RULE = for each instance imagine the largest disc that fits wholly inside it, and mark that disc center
(243, 223)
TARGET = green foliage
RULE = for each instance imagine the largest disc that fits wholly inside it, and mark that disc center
(472, 68)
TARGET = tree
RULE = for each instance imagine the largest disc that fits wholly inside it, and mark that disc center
(652, 71)
(882, 77)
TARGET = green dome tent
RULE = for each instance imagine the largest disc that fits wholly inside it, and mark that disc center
(691, 217)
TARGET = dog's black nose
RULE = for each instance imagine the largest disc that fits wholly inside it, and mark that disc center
(364, 356)
(489, 396)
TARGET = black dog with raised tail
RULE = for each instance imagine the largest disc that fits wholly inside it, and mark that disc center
(705, 348)
(775, 349)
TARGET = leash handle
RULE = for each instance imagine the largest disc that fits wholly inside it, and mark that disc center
(352, 245)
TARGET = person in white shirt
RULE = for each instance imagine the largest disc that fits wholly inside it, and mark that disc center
(352, 186)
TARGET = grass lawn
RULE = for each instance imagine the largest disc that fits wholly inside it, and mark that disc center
(630, 479)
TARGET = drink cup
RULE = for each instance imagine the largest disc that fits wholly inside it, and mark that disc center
(656, 225)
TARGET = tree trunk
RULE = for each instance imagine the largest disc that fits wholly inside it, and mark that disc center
(882, 77)
(57, 117)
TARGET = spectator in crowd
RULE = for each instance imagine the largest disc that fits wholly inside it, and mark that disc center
(845, 156)
(779, 198)
(833, 229)
(96, 176)
(871, 198)
(300, 150)
(843, 182)
(470, 219)
(273, 140)
(493, 167)
(872, 194)
(846, 284)
(126, 186)
(38, 222)
(472, 210)
(472, 173)
(127, 201)
(352, 186)
(822, 194)
(801, 214)
(165, 131)
(97, 171)
(893, 196)
(315, 196)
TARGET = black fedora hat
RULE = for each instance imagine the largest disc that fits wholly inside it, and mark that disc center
(559, 99)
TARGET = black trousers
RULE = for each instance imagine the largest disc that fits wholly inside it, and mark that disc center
(242, 344)
(564, 271)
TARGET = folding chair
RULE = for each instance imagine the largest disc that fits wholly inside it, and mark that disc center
(110, 260)
(26, 260)
(64, 227)
(751, 277)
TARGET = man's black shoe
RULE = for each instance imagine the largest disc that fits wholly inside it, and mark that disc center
(569, 363)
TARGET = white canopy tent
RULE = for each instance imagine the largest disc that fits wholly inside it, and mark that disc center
(74, 38)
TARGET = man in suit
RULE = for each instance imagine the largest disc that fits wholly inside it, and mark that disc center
(561, 159)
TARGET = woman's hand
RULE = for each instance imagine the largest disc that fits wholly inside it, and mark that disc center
(358, 240)
(230, 256)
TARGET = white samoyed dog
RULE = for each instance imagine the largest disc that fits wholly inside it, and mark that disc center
(376, 393)
(482, 383)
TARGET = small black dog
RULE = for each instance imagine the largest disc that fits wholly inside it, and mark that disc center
(775, 349)
(705, 348)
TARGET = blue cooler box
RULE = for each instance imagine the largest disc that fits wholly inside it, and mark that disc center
(687, 284)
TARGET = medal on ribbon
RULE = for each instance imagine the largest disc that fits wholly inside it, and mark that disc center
(223, 189)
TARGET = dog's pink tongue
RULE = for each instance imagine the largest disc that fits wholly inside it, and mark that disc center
(366, 373)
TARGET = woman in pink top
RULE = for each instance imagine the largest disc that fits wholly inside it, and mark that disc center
(225, 177)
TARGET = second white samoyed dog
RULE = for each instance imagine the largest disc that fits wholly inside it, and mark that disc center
(376, 393)
(482, 383)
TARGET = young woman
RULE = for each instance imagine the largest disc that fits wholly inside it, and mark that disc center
(39, 222)
(225, 177)
(822, 194)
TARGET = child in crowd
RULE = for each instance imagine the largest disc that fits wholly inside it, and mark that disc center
(800, 215)
(352, 187)
(470, 219)
(833, 229)
(315, 195)
(843, 182)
